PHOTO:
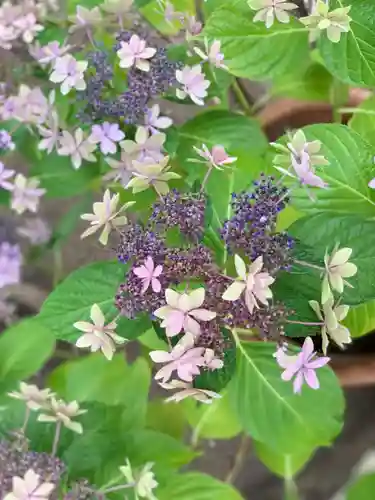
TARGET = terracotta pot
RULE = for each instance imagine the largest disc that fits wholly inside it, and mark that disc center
(285, 114)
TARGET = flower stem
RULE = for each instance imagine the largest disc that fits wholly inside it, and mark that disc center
(239, 459)
(116, 488)
(241, 98)
(26, 420)
(208, 173)
(304, 323)
(56, 438)
(307, 264)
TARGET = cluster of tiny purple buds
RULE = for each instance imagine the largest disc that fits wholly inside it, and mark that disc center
(252, 228)
(184, 210)
(143, 86)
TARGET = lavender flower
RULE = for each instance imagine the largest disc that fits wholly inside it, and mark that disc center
(186, 361)
(186, 390)
(217, 157)
(212, 54)
(106, 135)
(6, 174)
(36, 231)
(28, 27)
(302, 366)
(269, 9)
(6, 141)
(10, 264)
(145, 148)
(69, 72)
(149, 275)
(48, 54)
(154, 122)
(50, 133)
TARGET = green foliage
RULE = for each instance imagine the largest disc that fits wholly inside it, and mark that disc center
(166, 418)
(363, 120)
(361, 319)
(282, 464)
(351, 59)
(24, 348)
(314, 84)
(111, 383)
(350, 169)
(363, 488)
(72, 300)
(195, 486)
(322, 231)
(269, 411)
(60, 179)
(253, 51)
(214, 421)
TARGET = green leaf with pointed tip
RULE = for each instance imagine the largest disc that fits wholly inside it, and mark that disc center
(284, 465)
(348, 174)
(196, 486)
(270, 412)
(253, 51)
(351, 60)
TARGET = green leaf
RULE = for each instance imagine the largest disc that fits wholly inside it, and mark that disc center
(196, 486)
(153, 12)
(351, 59)
(234, 131)
(348, 174)
(52, 33)
(88, 4)
(284, 465)
(363, 120)
(214, 421)
(166, 418)
(324, 230)
(111, 383)
(60, 179)
(151, 446)
(270, 412)
(361, 319)
(24, 348)
(363, 488)
(71, 301)
(253, 51)
(314, 84)
(216, 380)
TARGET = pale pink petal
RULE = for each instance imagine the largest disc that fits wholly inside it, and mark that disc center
(311, 379)
(202, 314)
(297, 384)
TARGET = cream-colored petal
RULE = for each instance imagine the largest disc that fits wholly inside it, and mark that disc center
(233, 292)
(97, 316)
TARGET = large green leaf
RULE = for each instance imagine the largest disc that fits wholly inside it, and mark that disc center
(24, 348)
(363, 120)
(153, 12)
(71, 301)
(361, 319)
(270, 412)
(166, 418)
(322, 231)
(282, 464)
(110, 382)
(350, 169)
(214, 421)
(352, 58)
(363, 488)
(60, 179)
(196, 486)
(253, 51)
(314, 84)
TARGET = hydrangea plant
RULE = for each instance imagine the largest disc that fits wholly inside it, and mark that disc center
(238, 264)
